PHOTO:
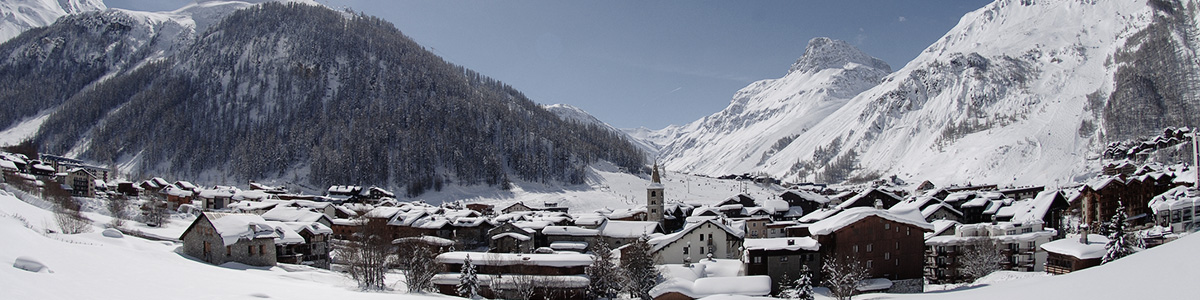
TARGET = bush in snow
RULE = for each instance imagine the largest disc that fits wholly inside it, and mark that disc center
(118, 208)
(66, 210)
(419, 263)
(843, 276)
(982, 257)
(154, 210)
(367, 255)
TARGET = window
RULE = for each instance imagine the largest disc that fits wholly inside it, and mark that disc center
(855, 248)
(868, 264)
(228, 250)
(887, 255)
(1027, 230)
(701, 237)
(907, 231)
(702, 250)
(869, 247)
(783, 259)
(758, 259)
(887, 226)
(260, 250)
(685, 250)
(250, 248)
(710, 237)
(653, 194)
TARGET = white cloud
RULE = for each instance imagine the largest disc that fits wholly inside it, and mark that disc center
(902, 19)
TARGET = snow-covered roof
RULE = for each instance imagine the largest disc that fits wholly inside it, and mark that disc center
(568, 245)
(627, 229)
(757, 285)
(1036, 208)
(8, 165)
(569, 231)
(313, 227)
(286, 235)
(425, 239)
(665, 240)
(293, 214)
(930, 210)
(246, 206)
(588, 219)
(508, 259)
(852, 215)
(1072, 247)
(940, 226)
(787, 243)
(819, 214)
(1175, 198)
(514, 235)
(810, 196)
(776, 205)
(234, 227)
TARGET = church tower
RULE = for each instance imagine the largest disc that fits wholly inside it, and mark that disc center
(654, 197)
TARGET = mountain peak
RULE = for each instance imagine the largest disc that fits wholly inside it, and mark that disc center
(826, 53)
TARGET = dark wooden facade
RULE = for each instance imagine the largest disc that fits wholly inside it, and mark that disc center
(889, 249)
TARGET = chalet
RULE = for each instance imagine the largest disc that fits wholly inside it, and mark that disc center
(510, 238)
(38, 168)
(154, 184)
(1018, 242)
(782, 258)
(304, 243)
(516, 207)
(287, 213)
(931, 208)
(127, 188)
(802, 202)
(975, 209)
(177, 196)
(218, 238)
(557, 276)
(485, 209)
(1100, 197)
(891, 243)
(925, 186)
(756, 227)
(1071, 254)
(696, 241)
(870, 198)
(570, 238)
(619, 233)
(741, 199)
(216, 198)
(1022, 193)
(81, 181)
(255, 186)
(1176, 210)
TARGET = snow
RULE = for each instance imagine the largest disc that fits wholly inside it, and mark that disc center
(506, 259)
(565, 245)
(849, 216)
(235, 227)
(112, 233)
(569, 231)
(91, 266)
(710, 277)
(23, 15)
(627, 229)
(797, 243)
(292, 214)
(1071, 246)
(514, 235)
(30, 264)
(875, 284)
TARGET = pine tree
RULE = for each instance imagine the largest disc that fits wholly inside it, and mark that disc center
(804, 288)
(604, 274)
(468, 281)
(640, 272)
(787, 288)
(1119, 244)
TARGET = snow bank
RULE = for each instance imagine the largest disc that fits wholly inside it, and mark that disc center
(112, 233)
(30, 264)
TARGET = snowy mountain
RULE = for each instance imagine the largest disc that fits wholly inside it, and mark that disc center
(19, 16)
(291, 93)
(578, 115)
(769, 115)
(1019, 92)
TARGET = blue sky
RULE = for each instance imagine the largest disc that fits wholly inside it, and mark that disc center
(647, 63)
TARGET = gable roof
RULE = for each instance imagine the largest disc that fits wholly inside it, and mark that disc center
(663, 241)
(852, 215)
(235, 227)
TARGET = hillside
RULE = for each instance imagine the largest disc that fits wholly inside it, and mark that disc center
(356, 102)
(1019, 92)
(19, 16)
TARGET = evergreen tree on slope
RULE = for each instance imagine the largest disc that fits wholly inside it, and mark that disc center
(468, 281)
(1119, 244)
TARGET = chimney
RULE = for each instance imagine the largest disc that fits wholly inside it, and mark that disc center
(1083, 238)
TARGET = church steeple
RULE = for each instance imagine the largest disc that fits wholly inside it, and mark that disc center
(654, 175)
(655, 197)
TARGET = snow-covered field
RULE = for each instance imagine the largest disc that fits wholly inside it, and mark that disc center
(92, 266)
(607, 188)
